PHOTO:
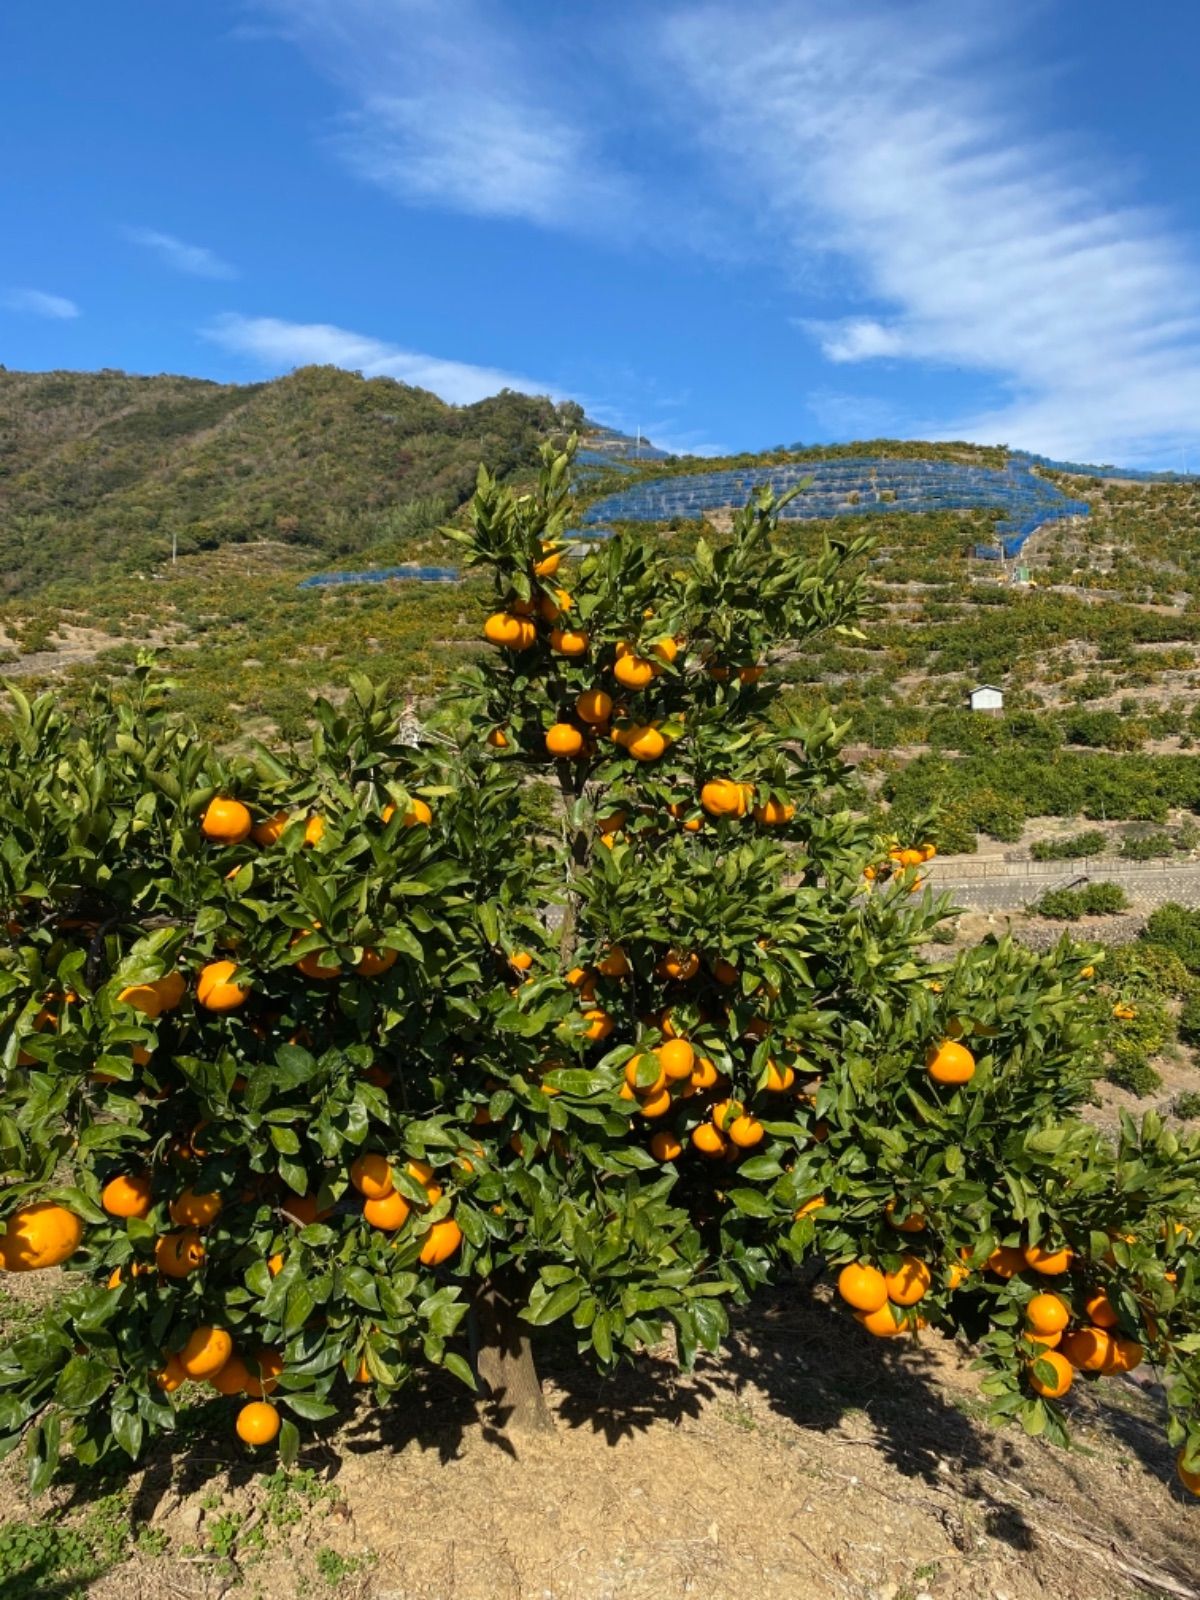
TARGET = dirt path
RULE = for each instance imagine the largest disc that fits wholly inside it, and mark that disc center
(810, 1461)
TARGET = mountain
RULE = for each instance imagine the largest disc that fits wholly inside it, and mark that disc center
(104, 470)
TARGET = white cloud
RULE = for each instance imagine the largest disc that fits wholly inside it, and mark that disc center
(453, 108)
(39, 304)
(278, 345)
(898, 139)
(194, 259)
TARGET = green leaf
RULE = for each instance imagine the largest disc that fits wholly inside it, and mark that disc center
(552, 1306)
(81, 1383)
(458, 1366)
(308, 1406)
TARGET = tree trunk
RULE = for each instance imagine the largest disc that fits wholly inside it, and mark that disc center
(504, 1361)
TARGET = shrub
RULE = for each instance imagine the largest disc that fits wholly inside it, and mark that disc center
(1093, 900)
(1147, 846)
(1186, 1106)
(1177, 929)
(1070, 848)
(406, 1092)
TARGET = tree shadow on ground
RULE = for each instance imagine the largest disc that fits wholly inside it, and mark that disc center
(792, 1350)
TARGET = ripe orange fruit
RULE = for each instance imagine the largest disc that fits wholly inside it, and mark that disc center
(302, 1209)
(1099, 1309)
(498, 739)
(206, 1351)
(1046, 1313)
(721, 797)
(656, 1104)
(1050, 1263)
(389, 1211)
(1125, 1355)
(373, 963)
(677, 1059)
(171, 989)
(372, 1176)
(571, 642)
(863, 1287)
(231, 1378)
(682, 965)
(704, 1074)
(746, 1132)
(773, 813)
(143, 997)
(914, 1222)
(779, 1079)
(1190, 1480)
(722, 1111)
(508, 631)
(909, 1283)
(270, 831)
(563, 740)
(1063, 1377)
(631, 669)
(665, 649)
(257, 1423)
(708, 1140)
(631, 1071)
(275, 1263)
(1089, 1349)
(956, 1275)
(127, 1196)
(192, 1210)
(884, 1323)
(644, 743)
(216, 992)
(950, 1062)
(1042, 1341)
(170, 1376)
(550, 562)
(600, 1024)
(815, 1204)
(614, 964)
(38, 1236)
(1005, 1261)
(594, 706)
(665, 1146)
(226, 821)
(442, 1240)
(314, 829)
(320, 965)
(750, 674)
(178, 1254)
(724, 972)
(263, 1372)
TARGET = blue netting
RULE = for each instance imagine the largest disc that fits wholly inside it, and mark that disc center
(325, 580)
(854, 487)
(1083, 470)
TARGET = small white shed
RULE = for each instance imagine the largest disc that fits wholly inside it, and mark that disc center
(986, 697)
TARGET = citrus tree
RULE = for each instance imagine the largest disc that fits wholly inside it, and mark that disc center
(324, 1063)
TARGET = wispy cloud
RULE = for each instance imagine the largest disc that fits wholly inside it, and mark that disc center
(898, 139)
(37, 303)
(278, 345)
(194, 259)
(453, 106)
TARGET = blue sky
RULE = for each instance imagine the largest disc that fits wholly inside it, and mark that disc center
(732, 223)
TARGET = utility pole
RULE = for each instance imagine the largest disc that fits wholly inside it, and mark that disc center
(174, 546)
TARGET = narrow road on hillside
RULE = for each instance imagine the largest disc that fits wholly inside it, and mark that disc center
(1012, 885)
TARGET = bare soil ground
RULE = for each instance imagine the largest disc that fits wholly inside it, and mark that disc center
(809, 1461)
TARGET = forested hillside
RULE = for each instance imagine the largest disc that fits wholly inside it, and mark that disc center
(100, 471)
